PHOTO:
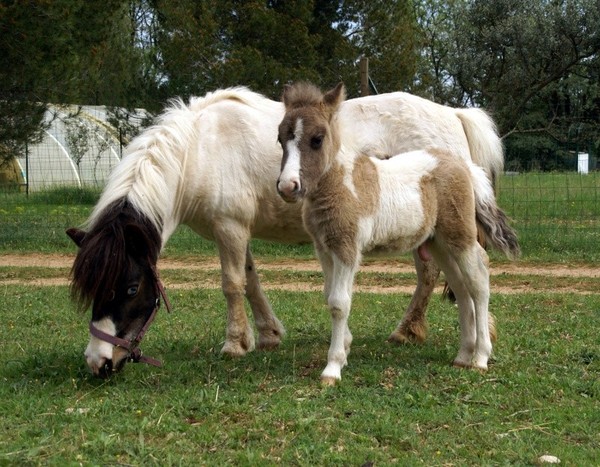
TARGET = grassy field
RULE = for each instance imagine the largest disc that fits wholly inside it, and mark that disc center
(557, 217)
(403, 405)
(395, 404)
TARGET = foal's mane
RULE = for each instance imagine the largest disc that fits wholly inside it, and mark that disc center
(302, 94)
(103, 258)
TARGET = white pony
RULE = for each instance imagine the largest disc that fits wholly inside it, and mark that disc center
(212, 165)
(354, 204)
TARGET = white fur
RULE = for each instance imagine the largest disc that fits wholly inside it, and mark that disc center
(290, 175)
(99, 351)
(213, 165)
(398, 224)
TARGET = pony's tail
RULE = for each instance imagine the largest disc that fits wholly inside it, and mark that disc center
(490, 218)
(485, 145)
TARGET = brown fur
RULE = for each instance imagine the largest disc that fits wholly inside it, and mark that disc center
(104, 252)
(332, 212)
(455, 201)
(335, 211)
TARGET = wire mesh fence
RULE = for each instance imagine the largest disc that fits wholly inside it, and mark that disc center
(556, 214)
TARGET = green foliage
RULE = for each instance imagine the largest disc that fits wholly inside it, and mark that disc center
(535, 65)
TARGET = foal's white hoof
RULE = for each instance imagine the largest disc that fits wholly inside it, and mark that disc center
(329, 381)
(460, 364)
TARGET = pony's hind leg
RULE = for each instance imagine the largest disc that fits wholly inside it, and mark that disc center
(232, 242)
(270, 329)
(413, 327)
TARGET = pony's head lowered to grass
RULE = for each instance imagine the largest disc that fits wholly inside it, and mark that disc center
(114, 273)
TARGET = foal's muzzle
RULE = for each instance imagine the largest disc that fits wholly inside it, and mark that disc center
(289, 191)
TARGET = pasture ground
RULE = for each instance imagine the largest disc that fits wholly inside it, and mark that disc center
(396, 404)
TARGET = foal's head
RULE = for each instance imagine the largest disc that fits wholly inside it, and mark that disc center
(114, 272)
(308, 136)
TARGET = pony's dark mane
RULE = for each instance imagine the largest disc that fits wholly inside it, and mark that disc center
(102, 257)
(302, 94)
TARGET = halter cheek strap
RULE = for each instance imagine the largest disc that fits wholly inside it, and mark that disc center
(134, 353)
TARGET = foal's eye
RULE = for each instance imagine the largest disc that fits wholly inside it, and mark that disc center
(132, 291)
(316, 142)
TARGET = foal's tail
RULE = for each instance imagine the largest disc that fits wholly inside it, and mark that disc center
(490, 217)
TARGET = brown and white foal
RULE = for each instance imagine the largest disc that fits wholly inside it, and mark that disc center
(354, 204)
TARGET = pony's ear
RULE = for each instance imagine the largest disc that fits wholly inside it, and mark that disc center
(335, 97)
(77, 235)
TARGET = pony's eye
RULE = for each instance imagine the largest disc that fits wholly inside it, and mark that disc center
(316, 142)
(132, 291)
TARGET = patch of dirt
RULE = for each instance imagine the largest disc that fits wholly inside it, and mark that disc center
(372, 266)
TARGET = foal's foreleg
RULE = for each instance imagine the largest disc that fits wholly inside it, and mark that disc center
(413, 327)
(232, 242)
(270, 329)
(339, 301)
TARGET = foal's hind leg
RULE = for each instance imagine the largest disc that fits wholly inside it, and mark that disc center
(232, 242)
(413, 327)
(270, 329)
(468, 276)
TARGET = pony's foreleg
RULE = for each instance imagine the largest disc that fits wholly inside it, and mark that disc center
(270, 329)
(339, 301)
(232, 243)
(413, 327)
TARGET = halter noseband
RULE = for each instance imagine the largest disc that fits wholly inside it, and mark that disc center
(134, 353)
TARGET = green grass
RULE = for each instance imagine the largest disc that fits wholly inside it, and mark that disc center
(556, 215)
(395, 404)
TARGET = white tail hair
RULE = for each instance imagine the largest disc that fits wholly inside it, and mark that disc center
(485, 145)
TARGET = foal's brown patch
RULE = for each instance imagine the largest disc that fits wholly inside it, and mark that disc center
(335, 211)
(456, 201)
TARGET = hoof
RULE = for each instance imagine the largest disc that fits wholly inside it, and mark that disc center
(327, 381)
(268, 344)
(235, 350)
(406, 336)
(270, 340)
(479, 368)
(459, 364)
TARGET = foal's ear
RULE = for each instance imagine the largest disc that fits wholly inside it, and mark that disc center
(335, 97)
(77, 235)
(285, 97)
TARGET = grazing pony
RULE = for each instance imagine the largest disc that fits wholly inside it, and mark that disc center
(212, 165)
(353, 204)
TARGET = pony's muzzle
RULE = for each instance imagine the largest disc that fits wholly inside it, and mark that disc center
(103, 364)
(290, 191)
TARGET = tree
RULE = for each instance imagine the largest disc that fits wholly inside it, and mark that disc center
(507, 52)
(386, 33)
(533, 64)
(64, 51)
